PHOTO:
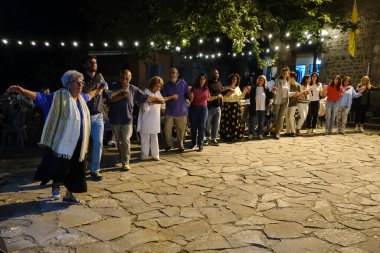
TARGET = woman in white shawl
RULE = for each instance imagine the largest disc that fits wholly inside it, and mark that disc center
(65, 135)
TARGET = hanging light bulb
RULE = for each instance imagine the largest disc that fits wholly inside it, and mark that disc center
(120, 43)
(33, 43)
(136, 43)
(298, 44)
(19, 42)
(75, 44)
(234, 54)
(105, 44)
(62, 44)
(252, 39)
(219, 54)
(270, 36)
(47, 43)
(287, 34)
(152, 44)
(200, 41)
(91, 44)
(217, 40)
(177, 48)
(5, 41)
(287, 46)
(276, 48)
(190, 57)
(168, 43)
(267, 50)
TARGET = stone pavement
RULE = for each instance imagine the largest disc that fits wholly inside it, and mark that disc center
(306, 194)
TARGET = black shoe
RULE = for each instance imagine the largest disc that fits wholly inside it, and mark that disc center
(95, 176)
(200, 149)
(181, 150)
(71, 200)
(168, 149)
(214, 143)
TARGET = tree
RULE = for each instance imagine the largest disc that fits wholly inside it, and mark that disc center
(183, 22)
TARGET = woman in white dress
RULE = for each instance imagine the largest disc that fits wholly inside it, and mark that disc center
(149, 120)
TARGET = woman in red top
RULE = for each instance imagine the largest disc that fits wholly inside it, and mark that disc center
(333, 90)
(198, 111)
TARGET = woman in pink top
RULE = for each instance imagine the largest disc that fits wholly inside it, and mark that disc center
(198, 111)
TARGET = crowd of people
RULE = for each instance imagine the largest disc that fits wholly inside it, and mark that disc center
(75, 113)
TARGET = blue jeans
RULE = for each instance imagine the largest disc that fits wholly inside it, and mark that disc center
(258, 118)
(213, 122)
(97, 130)
(198, 117)
(331, 109)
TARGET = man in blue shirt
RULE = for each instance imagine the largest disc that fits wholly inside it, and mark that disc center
(121, 114)
(176, 93)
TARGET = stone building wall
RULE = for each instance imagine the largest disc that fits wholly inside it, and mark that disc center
(336, 59)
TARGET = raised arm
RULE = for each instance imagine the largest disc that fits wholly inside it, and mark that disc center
(20, 90)
(95, 92)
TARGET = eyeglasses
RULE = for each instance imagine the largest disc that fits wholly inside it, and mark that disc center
(79, 83)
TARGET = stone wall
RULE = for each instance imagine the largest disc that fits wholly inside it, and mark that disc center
(336, 59)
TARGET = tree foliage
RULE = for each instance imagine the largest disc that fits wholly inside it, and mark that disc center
(183, 22)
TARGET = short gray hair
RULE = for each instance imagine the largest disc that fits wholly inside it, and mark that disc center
(70, 76)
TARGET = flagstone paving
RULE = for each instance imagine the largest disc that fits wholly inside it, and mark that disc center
(308, 194)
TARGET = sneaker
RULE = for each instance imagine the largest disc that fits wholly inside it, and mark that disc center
(55, 189)
(156, 159)
(277, 136)
(361, 129)
(250, 136)
(181, 150)
(95, 176)
(313, 131)
(71, 200)
(206, 142)
(298, 132)
(261, 137)
(214, 143)
(168, 149)
(356, 129)
(200, 149)
(125, 166)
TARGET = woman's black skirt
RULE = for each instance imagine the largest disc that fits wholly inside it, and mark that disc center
(231, 128)
(70, 172)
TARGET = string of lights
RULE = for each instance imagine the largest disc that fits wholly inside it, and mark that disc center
(168, 45)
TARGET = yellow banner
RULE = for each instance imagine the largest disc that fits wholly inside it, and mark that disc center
(351, 41)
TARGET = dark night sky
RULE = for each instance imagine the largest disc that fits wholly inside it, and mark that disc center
(52, 21)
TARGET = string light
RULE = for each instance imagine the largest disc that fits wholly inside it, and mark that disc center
(47, 43)
(287, 46)
(190, 57)
(120, 43)
(309, 42)
(249, 53)
(234, 54)
(177, 48)
(33, 43)
(242, 54)
(136, 43)
(270, 36)
(219, 54)
(298, 44)
(105, 44)
(252, 39)
(276, 48)
(324, 33)
(75, 44)
(62, 44)
(200, 41)
(287, 34)
(5, 41)
(268, 50)
(152, 44)
(217, 40)
(168, 43)
(19, 42)
(91, 44)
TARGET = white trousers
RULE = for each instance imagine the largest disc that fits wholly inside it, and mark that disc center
(289, 119)
(303, 109)
(149, 142)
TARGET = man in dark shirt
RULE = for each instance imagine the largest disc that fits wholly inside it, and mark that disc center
(92, 81)
(214, 108)
(121, 114)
